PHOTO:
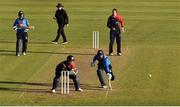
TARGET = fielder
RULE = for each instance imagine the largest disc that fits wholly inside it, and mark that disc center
(116, 25)
(67, 65)
(21, 25)
(104, 64)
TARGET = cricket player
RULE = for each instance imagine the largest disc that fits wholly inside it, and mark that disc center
(67, 65)
(103, 65)
(21, 25)
(116, 25)
(62, 19)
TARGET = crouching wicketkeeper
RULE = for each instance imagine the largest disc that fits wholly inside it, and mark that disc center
(104, 64)
(67, 65)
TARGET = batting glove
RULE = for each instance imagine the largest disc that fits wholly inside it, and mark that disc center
(15, 28)
(109, 76)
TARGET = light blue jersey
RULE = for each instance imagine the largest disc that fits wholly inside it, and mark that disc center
(105, 63)
(21, 24)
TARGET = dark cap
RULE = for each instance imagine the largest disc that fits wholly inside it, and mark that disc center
(59, 5)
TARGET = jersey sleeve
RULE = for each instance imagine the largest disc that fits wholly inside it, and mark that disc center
(66, 17)
(27, 23)
(121, 21)
(95, 58)
(73, 66)
(109, 23)
(15, 23)
(106, 65)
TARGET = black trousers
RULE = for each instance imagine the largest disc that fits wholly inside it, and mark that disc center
(60, 31)
(115, 34)
(100, 74)
(22, 41)
(71, 76)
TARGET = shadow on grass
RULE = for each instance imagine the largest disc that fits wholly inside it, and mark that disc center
(12, 53)
(25, 90)
(25, 83)
(32, 42)
(20, 89)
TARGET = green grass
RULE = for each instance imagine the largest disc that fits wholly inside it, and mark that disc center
(150, 46)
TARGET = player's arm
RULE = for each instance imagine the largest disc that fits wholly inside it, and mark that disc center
(55, 16)
(15, 25)
(109, 23)
(66, 18)
(122, 23)
(94, 60)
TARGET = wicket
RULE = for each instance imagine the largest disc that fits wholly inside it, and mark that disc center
(95, 39)
(64, 82)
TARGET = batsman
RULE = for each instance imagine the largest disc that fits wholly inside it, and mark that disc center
(103, 65)
(67, 65)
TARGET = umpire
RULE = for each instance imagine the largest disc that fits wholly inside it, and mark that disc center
(67, 65)
(62, 19)
(116, 24)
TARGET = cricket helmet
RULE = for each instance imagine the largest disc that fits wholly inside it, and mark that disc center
(70, 58)
(20, 13)
(100, 54)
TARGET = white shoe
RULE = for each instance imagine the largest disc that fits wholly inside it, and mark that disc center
(64, 43)
(54, 42)
(119, 54)
(18, 55)
(24, 53)
(111, 54)
(104, 86)
(53, 91)
(80, 90)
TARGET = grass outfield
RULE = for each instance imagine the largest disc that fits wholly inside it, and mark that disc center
(151, 45)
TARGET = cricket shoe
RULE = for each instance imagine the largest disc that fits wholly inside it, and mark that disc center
(111, 54)
(18, 54)
(104, 86)
(55, 42)
(24, 53)
(64, 43)
(53, 91)
(80, 90)
(119, 54)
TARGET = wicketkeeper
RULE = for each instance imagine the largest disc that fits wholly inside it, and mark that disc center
(21, 25)
(67, 65)
(103, 65)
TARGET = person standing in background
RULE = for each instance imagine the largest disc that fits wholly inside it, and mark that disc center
(21, 25)
(62, 19)
(116, 25)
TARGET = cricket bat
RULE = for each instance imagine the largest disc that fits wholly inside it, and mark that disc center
(109, 83)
